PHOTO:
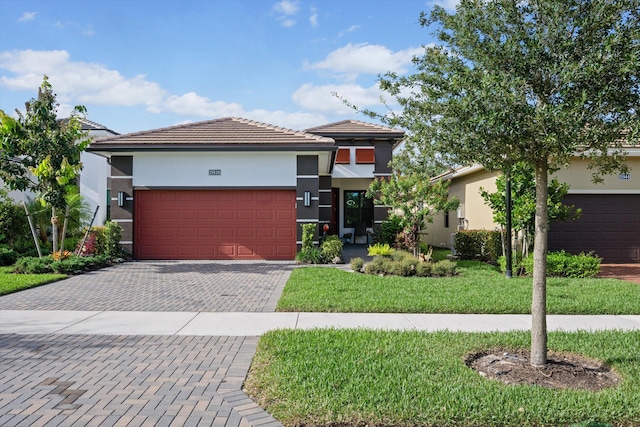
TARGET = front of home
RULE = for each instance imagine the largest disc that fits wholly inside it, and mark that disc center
(609, 224)
(233, 188)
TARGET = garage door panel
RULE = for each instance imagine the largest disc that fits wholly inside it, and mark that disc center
(609, 226)
(198, 224)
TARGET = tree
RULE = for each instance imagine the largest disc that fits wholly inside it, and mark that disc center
(535, 81)
(42, 153)
(524, 206)
(412, 195)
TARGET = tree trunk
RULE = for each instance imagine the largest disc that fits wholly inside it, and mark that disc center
(54, 230)
(539, 300)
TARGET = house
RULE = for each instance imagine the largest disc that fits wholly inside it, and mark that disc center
(233, 188)
(609, 224)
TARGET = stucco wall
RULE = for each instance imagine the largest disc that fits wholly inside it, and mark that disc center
(237, 169)
(479, 216)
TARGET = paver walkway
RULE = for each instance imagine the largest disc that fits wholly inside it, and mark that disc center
(137, 380)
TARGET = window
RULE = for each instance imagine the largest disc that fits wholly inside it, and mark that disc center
(343, 157)
(365, 156)
(357, 208)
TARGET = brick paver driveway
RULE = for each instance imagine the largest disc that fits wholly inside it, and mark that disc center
(210, 286)
(111, 380)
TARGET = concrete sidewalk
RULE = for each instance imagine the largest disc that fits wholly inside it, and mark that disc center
(255, 324)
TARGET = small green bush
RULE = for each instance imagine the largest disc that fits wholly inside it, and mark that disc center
(389, 230)
(483, 245)
(380, 249)
(379, 265)
(311, 255)
(444, 268)
(357, 264)
(563, 264)
(423, 269)
(71, 265)
(7, 256)
(331, 249)
(405, 267)
(112, 237)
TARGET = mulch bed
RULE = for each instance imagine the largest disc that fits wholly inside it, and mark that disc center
(562, 371)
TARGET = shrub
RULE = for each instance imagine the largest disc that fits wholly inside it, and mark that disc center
(563, 264)
(331, 249)
(357, 264)
(112, 237)
(311, 255)
(13, 221)
(7, 256)
(71, 265)
(380, 249)
(423, 269)
(379, 265)
(444, 268)
(404, 267)
(389, 230)
(483, 245)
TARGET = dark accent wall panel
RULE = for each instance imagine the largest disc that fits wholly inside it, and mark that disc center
(384, 152)
(121, 165)
(307, 165)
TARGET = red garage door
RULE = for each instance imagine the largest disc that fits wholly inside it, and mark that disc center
(215, 224)
(609, 226)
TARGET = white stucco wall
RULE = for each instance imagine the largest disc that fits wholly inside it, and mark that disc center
(237, 169)
(93, 184)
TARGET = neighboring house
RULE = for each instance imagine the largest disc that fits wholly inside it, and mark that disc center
(609, 224)
(233, 188)
(93, 177)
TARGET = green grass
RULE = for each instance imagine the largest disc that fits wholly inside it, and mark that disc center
(10, 282)
(479, 288)
(360, 377)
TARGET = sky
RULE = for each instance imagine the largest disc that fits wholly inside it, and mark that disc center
(145, 64)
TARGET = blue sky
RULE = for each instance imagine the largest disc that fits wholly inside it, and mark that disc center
(145, 64)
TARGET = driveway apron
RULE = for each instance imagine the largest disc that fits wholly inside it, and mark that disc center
(135, 380)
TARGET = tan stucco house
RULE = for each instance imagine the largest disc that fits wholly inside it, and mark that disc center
(609, 224)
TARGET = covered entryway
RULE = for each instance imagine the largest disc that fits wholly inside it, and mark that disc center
(215, 224)
(609, 226)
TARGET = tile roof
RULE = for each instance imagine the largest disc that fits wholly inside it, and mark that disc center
(355, 128)
(224, 133)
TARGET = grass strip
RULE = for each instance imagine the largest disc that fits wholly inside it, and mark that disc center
(479, 288)
(10, 282)
(382, 378)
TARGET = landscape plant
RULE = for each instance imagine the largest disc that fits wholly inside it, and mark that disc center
(538, 82)
(41, 153)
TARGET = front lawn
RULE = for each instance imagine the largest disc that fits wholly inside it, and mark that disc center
(15, 282)
(479, 288)
(361, 377)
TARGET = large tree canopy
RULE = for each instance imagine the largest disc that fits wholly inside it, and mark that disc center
(534, 81)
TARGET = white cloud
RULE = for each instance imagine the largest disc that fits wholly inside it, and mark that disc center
(323, 98)
(286, 7)
(351, 29)
(313, 19)
(27, 16)
(76, 81)
(354, 59)
(286, 10)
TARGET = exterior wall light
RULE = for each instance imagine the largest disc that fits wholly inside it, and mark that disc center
(307, 198)
(120, 198)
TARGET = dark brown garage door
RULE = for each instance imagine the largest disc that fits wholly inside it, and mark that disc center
(609, 226)
(208, 224)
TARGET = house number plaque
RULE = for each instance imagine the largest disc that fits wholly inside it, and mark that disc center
(215, 172)
(624, 176)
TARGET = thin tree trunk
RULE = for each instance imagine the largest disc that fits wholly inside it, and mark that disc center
(64, 231)
(539, 300)
(54, 230)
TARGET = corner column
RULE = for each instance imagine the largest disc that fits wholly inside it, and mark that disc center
(307, 185)
(121, 184)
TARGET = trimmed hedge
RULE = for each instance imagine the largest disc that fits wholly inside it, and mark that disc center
(562, 264)
(71, 265)
(404, 264)
(483, 245)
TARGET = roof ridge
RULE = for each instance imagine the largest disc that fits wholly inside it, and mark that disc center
(356, 122)
(281, 129)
